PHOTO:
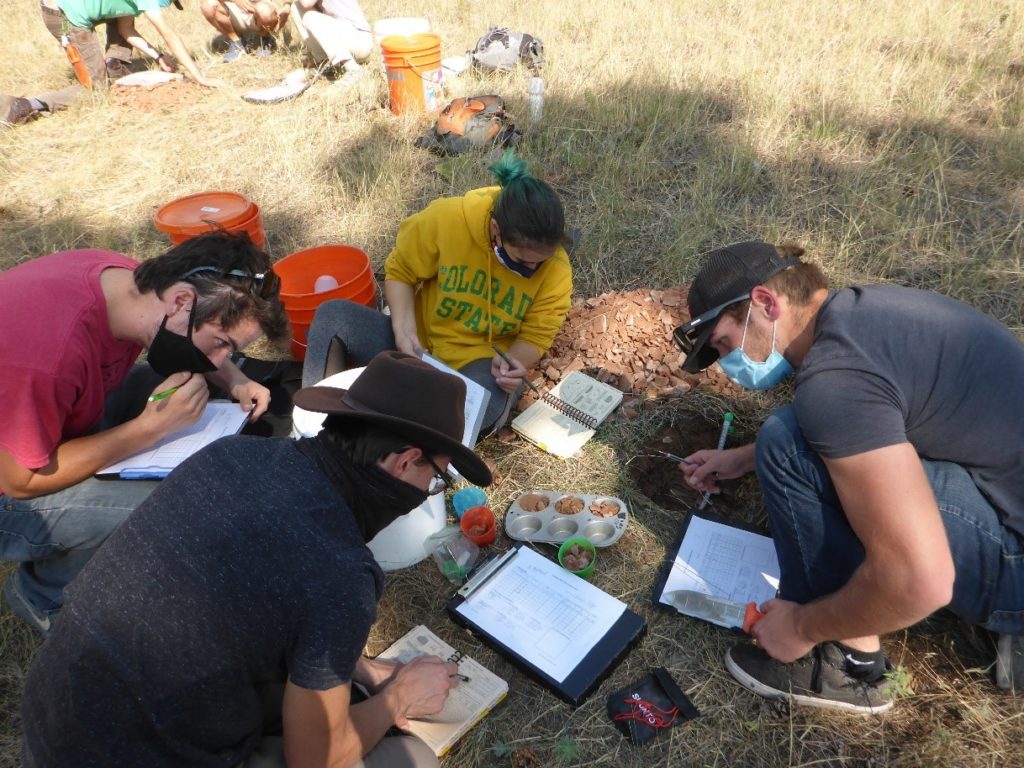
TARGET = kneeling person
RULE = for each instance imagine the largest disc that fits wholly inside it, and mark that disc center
(245, 573)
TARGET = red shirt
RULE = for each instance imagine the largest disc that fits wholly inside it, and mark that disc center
(58, 359)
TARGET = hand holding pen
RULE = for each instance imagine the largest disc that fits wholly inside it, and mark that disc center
(508, 372)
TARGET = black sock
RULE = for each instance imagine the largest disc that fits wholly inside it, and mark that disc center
(868, 666)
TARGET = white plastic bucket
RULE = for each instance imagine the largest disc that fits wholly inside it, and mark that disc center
(404, 25)
(400, 545)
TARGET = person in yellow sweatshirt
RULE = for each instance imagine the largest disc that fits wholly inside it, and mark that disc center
(488, 268)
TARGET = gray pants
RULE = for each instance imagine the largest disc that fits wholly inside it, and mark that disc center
(54, 535)
(367, 332)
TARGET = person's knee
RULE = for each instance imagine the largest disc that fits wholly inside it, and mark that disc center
(210, 9)
(266, 16)
(778, 439)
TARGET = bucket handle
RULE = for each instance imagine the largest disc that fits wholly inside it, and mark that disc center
(417, 71)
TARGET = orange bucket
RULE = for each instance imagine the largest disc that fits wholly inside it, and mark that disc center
(350, 268)
(413, 66)
(193, 215)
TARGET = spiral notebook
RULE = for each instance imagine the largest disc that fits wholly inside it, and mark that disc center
(479, 691)
(564, 420)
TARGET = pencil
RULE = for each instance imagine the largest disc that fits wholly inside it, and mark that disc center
(461, 677)
(162, 395)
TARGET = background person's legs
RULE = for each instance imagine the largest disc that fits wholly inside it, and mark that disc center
(334, 39)
(118, 50)
(364, 331)
(88, 44)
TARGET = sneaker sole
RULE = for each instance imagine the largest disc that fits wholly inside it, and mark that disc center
(768, 692)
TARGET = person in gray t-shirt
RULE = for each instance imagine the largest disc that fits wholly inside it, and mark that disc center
(894, 482)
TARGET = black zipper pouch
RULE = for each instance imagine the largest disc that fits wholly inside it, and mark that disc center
(649, 707)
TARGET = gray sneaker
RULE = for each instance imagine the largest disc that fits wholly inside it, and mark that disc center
(41, 623)
(819, 679)
(234, 52)
(1010, 663)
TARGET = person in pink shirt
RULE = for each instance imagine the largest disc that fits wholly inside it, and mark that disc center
(73, 325)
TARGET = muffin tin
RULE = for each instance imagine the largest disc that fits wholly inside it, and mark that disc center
(537, 516)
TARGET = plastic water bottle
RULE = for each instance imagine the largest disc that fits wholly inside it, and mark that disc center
(325, 283)
(536, 97)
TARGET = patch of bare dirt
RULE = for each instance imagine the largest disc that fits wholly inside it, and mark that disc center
(660, 480)
(159, 98)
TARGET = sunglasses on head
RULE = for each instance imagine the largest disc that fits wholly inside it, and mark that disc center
(266, 285)
(686, 335)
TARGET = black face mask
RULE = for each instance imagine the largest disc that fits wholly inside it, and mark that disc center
(172, 353)
(508, 263)
(374, 497)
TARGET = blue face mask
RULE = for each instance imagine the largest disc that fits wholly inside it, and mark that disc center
(515, 266)
(750, 375)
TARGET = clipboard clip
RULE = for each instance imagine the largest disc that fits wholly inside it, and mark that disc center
(485, 571)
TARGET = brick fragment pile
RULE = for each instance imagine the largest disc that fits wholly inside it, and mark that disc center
(624, 339)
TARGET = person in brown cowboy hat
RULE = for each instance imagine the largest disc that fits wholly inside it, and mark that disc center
(224, 623)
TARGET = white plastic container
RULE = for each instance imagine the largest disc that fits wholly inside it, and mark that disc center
(402, 543)
(404, 25)
(536, 94)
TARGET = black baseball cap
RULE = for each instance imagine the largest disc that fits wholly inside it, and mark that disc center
(727, 277)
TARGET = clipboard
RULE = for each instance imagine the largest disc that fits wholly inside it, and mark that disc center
(672, 556)
(595, 665)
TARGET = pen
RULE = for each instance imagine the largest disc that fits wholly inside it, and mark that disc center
(508, 360)
(673, 457)
(162, 395)
(461, 677)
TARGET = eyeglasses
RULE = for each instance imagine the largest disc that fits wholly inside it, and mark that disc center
(266, 285)
(686, 335)
(440, 481)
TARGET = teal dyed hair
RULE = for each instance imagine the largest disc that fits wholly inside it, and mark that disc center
(528, 211)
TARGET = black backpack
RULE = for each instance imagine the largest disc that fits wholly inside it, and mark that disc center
(474, 122)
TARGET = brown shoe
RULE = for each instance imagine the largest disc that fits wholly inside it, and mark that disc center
(14, 110)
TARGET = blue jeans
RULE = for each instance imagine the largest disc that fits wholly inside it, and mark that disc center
(53, 536)
(818, 550)
(367, 332)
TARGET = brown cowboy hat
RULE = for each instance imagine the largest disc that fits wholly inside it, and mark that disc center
(404, 395)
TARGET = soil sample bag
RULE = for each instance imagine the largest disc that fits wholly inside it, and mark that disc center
(651, 706)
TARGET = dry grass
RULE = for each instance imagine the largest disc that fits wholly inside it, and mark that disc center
(885, 137)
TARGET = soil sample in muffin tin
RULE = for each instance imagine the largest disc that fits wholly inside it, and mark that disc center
(604, 508)
(569, 505)
(532, 502)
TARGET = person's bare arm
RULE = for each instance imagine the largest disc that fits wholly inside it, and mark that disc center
(401, 298)
(178, 49)
(321, 728)
(126, 26)
(75, 460)
(908, 569)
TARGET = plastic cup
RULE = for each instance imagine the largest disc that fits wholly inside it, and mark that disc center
(479, 526)
(583, 573)
(464, 498)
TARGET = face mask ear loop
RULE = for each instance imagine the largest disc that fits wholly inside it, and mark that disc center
(746, 324)
(191, 320)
